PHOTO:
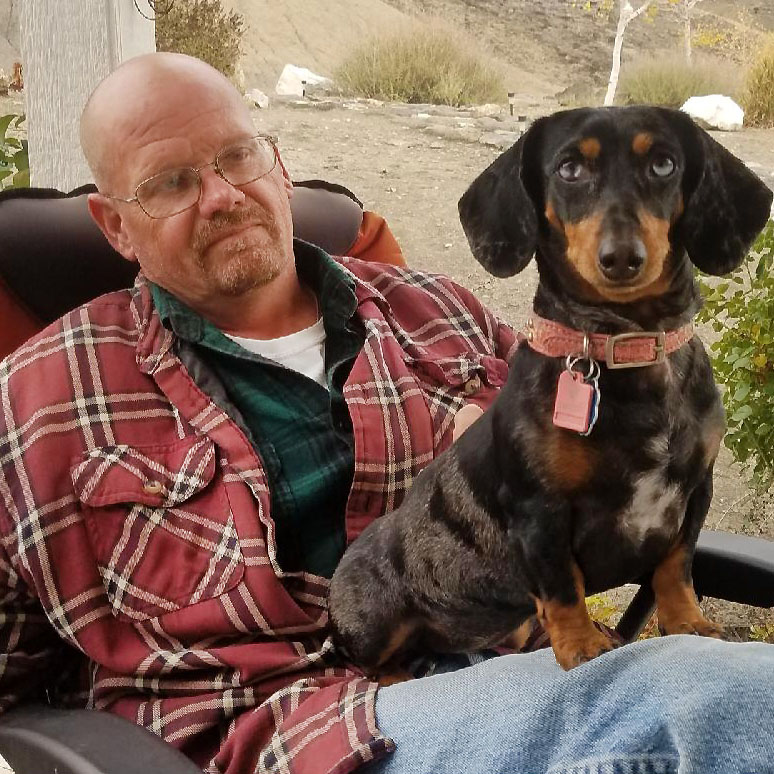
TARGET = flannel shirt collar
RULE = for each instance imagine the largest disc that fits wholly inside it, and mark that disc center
(160, 316)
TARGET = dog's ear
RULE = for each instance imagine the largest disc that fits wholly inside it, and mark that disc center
(498, 212)
(726, 205)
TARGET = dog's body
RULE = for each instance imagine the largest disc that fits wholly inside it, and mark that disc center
(521, 516)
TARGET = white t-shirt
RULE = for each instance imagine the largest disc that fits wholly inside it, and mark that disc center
(303, 351)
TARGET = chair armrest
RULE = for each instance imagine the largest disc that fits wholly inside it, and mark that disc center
(37, 739)
(734, 567)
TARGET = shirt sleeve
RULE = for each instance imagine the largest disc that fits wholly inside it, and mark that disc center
(502, 337)
(28, 642)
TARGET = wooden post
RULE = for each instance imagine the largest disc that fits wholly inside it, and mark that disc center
(67, 48)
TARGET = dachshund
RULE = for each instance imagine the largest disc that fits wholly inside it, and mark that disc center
(593, 467)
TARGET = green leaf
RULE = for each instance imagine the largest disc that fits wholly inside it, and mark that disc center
(21, 160)
(742, 391)
(22, 179)
(742, 413)
(5, 122)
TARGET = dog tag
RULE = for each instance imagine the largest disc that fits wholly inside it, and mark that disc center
(575, 403)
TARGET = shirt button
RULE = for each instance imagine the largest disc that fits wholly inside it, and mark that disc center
(472, 386)
(152, 487)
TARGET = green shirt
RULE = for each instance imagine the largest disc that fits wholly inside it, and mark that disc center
(302, 431)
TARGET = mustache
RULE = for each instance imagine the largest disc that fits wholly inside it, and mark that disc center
(211, 229)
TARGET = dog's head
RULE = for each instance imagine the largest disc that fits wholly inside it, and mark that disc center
(617, 192)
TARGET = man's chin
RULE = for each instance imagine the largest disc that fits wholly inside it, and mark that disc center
(240, 277)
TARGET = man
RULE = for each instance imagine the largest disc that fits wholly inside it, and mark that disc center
(183, 463)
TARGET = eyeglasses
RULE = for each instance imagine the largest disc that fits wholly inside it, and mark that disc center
(175, 190)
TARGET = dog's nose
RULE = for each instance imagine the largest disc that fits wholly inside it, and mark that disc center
(621, 261)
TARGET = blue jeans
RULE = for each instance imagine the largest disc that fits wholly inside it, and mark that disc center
(675, 704)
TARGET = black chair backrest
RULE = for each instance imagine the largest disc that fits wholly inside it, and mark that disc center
(53, 257)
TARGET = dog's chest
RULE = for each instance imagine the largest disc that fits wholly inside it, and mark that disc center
(657, 505)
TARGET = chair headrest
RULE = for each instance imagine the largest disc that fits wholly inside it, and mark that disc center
(53, 256)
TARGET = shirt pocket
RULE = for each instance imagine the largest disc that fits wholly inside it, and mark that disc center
(466, 377)
(450, 383)
(160, 524)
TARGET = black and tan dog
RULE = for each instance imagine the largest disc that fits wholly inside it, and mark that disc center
(562, 490)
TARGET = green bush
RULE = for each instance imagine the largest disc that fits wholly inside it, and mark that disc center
(741, 310)
(420, 64)
(14, 157)
(669, 81)
(202, 28)
(758, 96)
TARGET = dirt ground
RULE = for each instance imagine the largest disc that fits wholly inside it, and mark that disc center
(412, 163)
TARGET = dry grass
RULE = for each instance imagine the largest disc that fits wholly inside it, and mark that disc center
(420, 64)
(758, 95)
(670, 81)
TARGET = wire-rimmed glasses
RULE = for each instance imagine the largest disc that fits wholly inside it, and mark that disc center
(175, 190)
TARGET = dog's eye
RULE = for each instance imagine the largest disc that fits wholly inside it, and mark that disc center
(662, 166)
(571, 170)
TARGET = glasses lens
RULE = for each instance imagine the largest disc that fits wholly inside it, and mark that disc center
(169, 192)
(247, 161)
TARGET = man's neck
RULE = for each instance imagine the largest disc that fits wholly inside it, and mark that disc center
(282, 307)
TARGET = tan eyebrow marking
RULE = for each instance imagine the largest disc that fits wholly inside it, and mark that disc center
(590, 148)
(642, 143)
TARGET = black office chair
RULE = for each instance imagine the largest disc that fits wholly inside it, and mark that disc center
(53, 258)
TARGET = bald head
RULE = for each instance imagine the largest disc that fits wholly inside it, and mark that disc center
(136, 100)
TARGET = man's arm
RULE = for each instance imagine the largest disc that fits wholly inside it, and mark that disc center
(501, 335)
(28, 642)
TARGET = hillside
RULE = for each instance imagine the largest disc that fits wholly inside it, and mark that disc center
(544, 47)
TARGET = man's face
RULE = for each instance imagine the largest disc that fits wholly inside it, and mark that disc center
(234, 239)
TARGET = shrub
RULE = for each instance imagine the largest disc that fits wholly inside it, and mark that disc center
(758, 95)
(420, 64)
(202, 28)
(741, 310)
(14, 157)
(669, 81)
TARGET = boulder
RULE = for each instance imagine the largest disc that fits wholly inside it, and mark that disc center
(715, 111)
(294, 80)
(257, 98)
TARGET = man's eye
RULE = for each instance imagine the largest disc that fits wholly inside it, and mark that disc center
(662, 166)
(571, 171)
(237, 155)
(172, 182)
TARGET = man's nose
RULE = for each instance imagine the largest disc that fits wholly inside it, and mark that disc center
(218, 195)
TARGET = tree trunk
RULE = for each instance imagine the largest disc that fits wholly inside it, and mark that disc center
(687, 35)
(625, 14)
(67, 48)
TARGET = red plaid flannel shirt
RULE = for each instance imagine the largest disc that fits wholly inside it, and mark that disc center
(136, 525)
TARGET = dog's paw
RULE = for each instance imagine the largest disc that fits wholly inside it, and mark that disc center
(571, 652)
(393, 678)
(699, 626)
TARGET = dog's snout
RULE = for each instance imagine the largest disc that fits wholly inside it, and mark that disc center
(621, 260)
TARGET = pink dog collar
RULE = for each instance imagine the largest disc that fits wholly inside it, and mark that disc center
(622, 350)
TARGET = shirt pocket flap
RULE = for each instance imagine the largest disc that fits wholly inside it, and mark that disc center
(158, 476)
(463, 370)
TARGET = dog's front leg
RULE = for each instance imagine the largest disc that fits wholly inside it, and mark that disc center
(542, 534)
(678, 609)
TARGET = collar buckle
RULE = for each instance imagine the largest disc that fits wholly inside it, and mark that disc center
(659, 347)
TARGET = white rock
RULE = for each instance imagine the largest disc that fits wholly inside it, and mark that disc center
(715, 111)
(294, 80)
(257, 98)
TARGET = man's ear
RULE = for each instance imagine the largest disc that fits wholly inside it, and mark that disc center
(111, 223)
(498, 211)
(286, 176)
(726, 205)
